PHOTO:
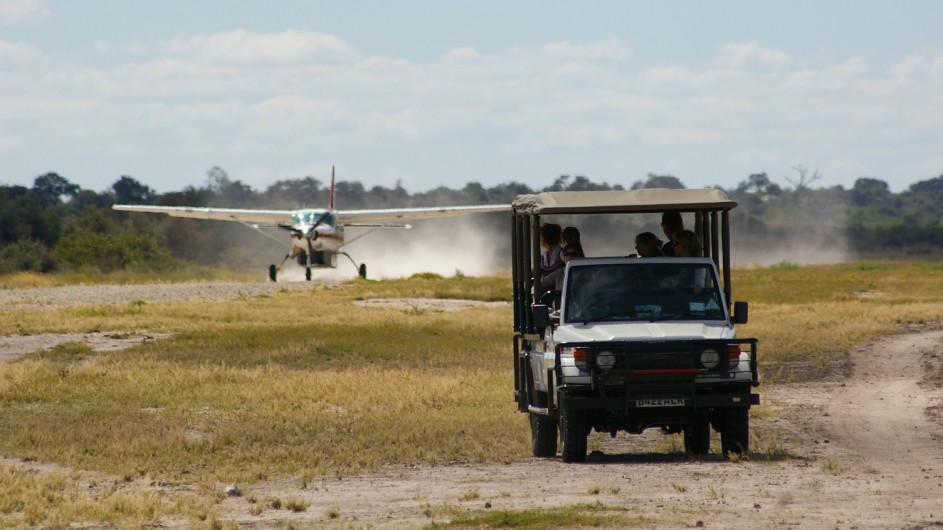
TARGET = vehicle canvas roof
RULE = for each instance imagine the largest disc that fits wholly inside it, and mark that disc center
(622, 201)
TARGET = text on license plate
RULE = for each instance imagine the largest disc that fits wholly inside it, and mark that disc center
(660, 402)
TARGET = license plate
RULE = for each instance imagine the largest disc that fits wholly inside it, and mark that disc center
(661, 402)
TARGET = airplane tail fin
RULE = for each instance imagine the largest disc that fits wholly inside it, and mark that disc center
(331, 205)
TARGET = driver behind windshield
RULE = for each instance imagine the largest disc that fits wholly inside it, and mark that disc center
(687, 245)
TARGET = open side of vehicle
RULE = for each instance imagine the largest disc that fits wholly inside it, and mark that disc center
(633, 343)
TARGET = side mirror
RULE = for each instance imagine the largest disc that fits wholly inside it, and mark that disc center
(541, 317)
(549, 297)
(741, 312)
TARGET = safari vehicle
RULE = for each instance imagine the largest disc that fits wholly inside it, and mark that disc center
(631, 343)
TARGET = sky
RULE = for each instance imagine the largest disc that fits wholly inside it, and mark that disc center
(421, 94)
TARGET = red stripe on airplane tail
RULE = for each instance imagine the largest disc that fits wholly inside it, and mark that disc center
(331, 205)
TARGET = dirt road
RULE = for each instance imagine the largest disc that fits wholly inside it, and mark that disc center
(861, 452)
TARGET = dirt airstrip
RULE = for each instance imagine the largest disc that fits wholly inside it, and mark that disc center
(863, 450)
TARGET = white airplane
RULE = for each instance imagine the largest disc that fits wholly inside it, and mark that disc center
(317, 235)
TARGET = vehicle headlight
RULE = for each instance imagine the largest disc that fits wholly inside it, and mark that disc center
(710, 359)
(605, 360)
(733, 351)
(579, 356)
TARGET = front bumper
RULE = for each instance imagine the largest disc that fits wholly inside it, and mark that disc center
(648, 405)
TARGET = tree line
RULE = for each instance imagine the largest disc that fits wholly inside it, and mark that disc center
(55, 225)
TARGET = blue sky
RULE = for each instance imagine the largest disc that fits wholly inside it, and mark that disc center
(429, 93)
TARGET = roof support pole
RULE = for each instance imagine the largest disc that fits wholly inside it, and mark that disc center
(726, 242)
(533, 266)
(715, 239)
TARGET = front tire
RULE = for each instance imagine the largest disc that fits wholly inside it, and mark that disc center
(272, 272)
(697, 438)
(574, 427)
(543, 435)
(735, 435)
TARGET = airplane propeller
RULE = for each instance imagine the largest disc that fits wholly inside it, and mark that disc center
(310, 235)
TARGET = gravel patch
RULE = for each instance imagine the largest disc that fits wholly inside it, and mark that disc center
(71, 295)
(15, 346)
(426, 304)
(47, 298)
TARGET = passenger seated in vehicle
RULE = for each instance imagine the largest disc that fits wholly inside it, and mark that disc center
(686, 245)
(551, 253)
(570, 236)
(647, 245)
(554, 280)
(671, 224)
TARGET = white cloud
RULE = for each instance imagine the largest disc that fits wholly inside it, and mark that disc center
(850, 77)
(401, 124)
(919, 65)
(219, 112)
(18, 52)
(15, 12)
(683, 79)
(9, 142)
(851, 68)
(607, 50)
(243, 47)
(758, 158)
(276, 101)
(291, 115)
(841, 165)
(679, 136)
(751, 53)
(462, 54)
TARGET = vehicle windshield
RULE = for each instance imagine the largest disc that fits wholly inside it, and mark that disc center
(640, 291)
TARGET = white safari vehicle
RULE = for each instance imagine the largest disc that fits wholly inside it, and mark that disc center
(631, 343)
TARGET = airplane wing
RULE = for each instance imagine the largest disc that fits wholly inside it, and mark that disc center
(261, 217)
(347, 217)
(353, 217)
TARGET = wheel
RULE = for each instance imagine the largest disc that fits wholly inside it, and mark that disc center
(574, 428)
(308, 273)
(272, 272)
(543, 435)
(362, 270)
(735, 435)
(697, 438)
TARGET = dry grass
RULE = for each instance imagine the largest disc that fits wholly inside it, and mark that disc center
(309, 384)
(808, 318)
(299, 383)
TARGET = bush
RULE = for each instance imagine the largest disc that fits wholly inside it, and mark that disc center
(26, 255)
(109, 252)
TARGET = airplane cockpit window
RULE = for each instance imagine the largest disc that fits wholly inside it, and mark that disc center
(311, 217)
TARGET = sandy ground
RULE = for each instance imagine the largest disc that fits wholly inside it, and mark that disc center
(865, 451)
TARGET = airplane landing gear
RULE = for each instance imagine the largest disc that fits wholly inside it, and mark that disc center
(361, 269)
(273, 269)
